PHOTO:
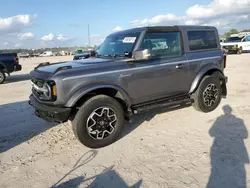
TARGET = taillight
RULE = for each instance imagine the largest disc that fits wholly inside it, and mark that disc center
(16, 61)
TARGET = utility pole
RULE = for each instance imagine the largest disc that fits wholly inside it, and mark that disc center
(88, 35)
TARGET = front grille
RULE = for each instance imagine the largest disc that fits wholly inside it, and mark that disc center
(39, 83)
(230, 47)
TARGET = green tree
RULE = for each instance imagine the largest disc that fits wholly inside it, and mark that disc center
(233, 31)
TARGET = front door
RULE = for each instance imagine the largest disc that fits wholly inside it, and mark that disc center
(246, 43)
(165, 75)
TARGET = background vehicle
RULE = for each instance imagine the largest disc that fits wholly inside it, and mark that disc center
(23, 55)
(236, 44)
(46, 54)
(84, 55)
(245, 43)
(9, 63)
(56, 54)
(34, 55)
(130, 76)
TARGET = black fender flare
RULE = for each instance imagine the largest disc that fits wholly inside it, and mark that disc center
(208, 71)
(2, 65)
(87, 89)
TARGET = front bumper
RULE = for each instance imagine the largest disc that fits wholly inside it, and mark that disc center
(49, 113)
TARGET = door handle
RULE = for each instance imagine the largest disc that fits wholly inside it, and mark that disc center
(179, 66)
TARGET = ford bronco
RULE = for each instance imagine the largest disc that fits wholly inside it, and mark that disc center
(135, 70)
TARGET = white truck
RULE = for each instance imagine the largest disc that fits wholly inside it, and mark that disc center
(236, 44)
(46, 54)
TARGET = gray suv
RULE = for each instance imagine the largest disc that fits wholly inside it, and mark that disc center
(134, 71)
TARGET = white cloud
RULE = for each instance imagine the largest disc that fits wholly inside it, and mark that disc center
(15, 23)
(159, 19)
(220, 13)
(5, 43)
(219, 8)
(61, 37)
(117, 28)
(48, 37)
(53, 37)
(25, 36)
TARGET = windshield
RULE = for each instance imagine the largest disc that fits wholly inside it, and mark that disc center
(233, 39)
(118, 44)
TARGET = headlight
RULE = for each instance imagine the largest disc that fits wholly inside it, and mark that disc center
(45, 92)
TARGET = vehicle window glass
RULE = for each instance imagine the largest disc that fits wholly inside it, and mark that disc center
(233, 39)
(118, 44)
(200, 40)
(248, 38)
(163, 44)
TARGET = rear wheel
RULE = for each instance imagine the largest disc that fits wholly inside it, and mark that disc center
(208, 95)
(99, 121)
(2, 77)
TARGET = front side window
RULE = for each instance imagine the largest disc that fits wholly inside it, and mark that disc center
(118, 44)
(162, 44)
(202, 40)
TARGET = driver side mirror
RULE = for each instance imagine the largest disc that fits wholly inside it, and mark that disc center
(141, 55)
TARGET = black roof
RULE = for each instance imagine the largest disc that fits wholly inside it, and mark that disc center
(174, 28)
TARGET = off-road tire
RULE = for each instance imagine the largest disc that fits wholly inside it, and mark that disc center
(79, 122)
(198, 98)
(2, 77)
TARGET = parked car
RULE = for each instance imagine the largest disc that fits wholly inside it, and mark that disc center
(23, 55)
(46, 54)
(34, 55)
(84, 55)
(9, 63)
(130, 77)
(56, 54)
(236, 44)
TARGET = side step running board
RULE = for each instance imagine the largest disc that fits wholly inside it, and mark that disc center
(161, 105)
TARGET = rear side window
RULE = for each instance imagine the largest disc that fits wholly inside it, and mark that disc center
(202, 40)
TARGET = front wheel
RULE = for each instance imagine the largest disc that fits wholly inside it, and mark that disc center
(99, 121)
(2, 77)
(208, 95)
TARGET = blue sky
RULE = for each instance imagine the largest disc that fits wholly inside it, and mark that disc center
(36, 24)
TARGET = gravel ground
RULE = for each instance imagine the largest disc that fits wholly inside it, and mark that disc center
(179, 148)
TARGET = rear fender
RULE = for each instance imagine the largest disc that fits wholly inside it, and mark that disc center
(2, 66)
(209, 71)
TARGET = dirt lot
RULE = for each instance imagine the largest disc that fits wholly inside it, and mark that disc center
(180, 148)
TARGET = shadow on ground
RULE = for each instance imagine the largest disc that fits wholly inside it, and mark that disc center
(19, 124)
(228, 152)
(109, 178)
(148, 116)
(17, 78)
